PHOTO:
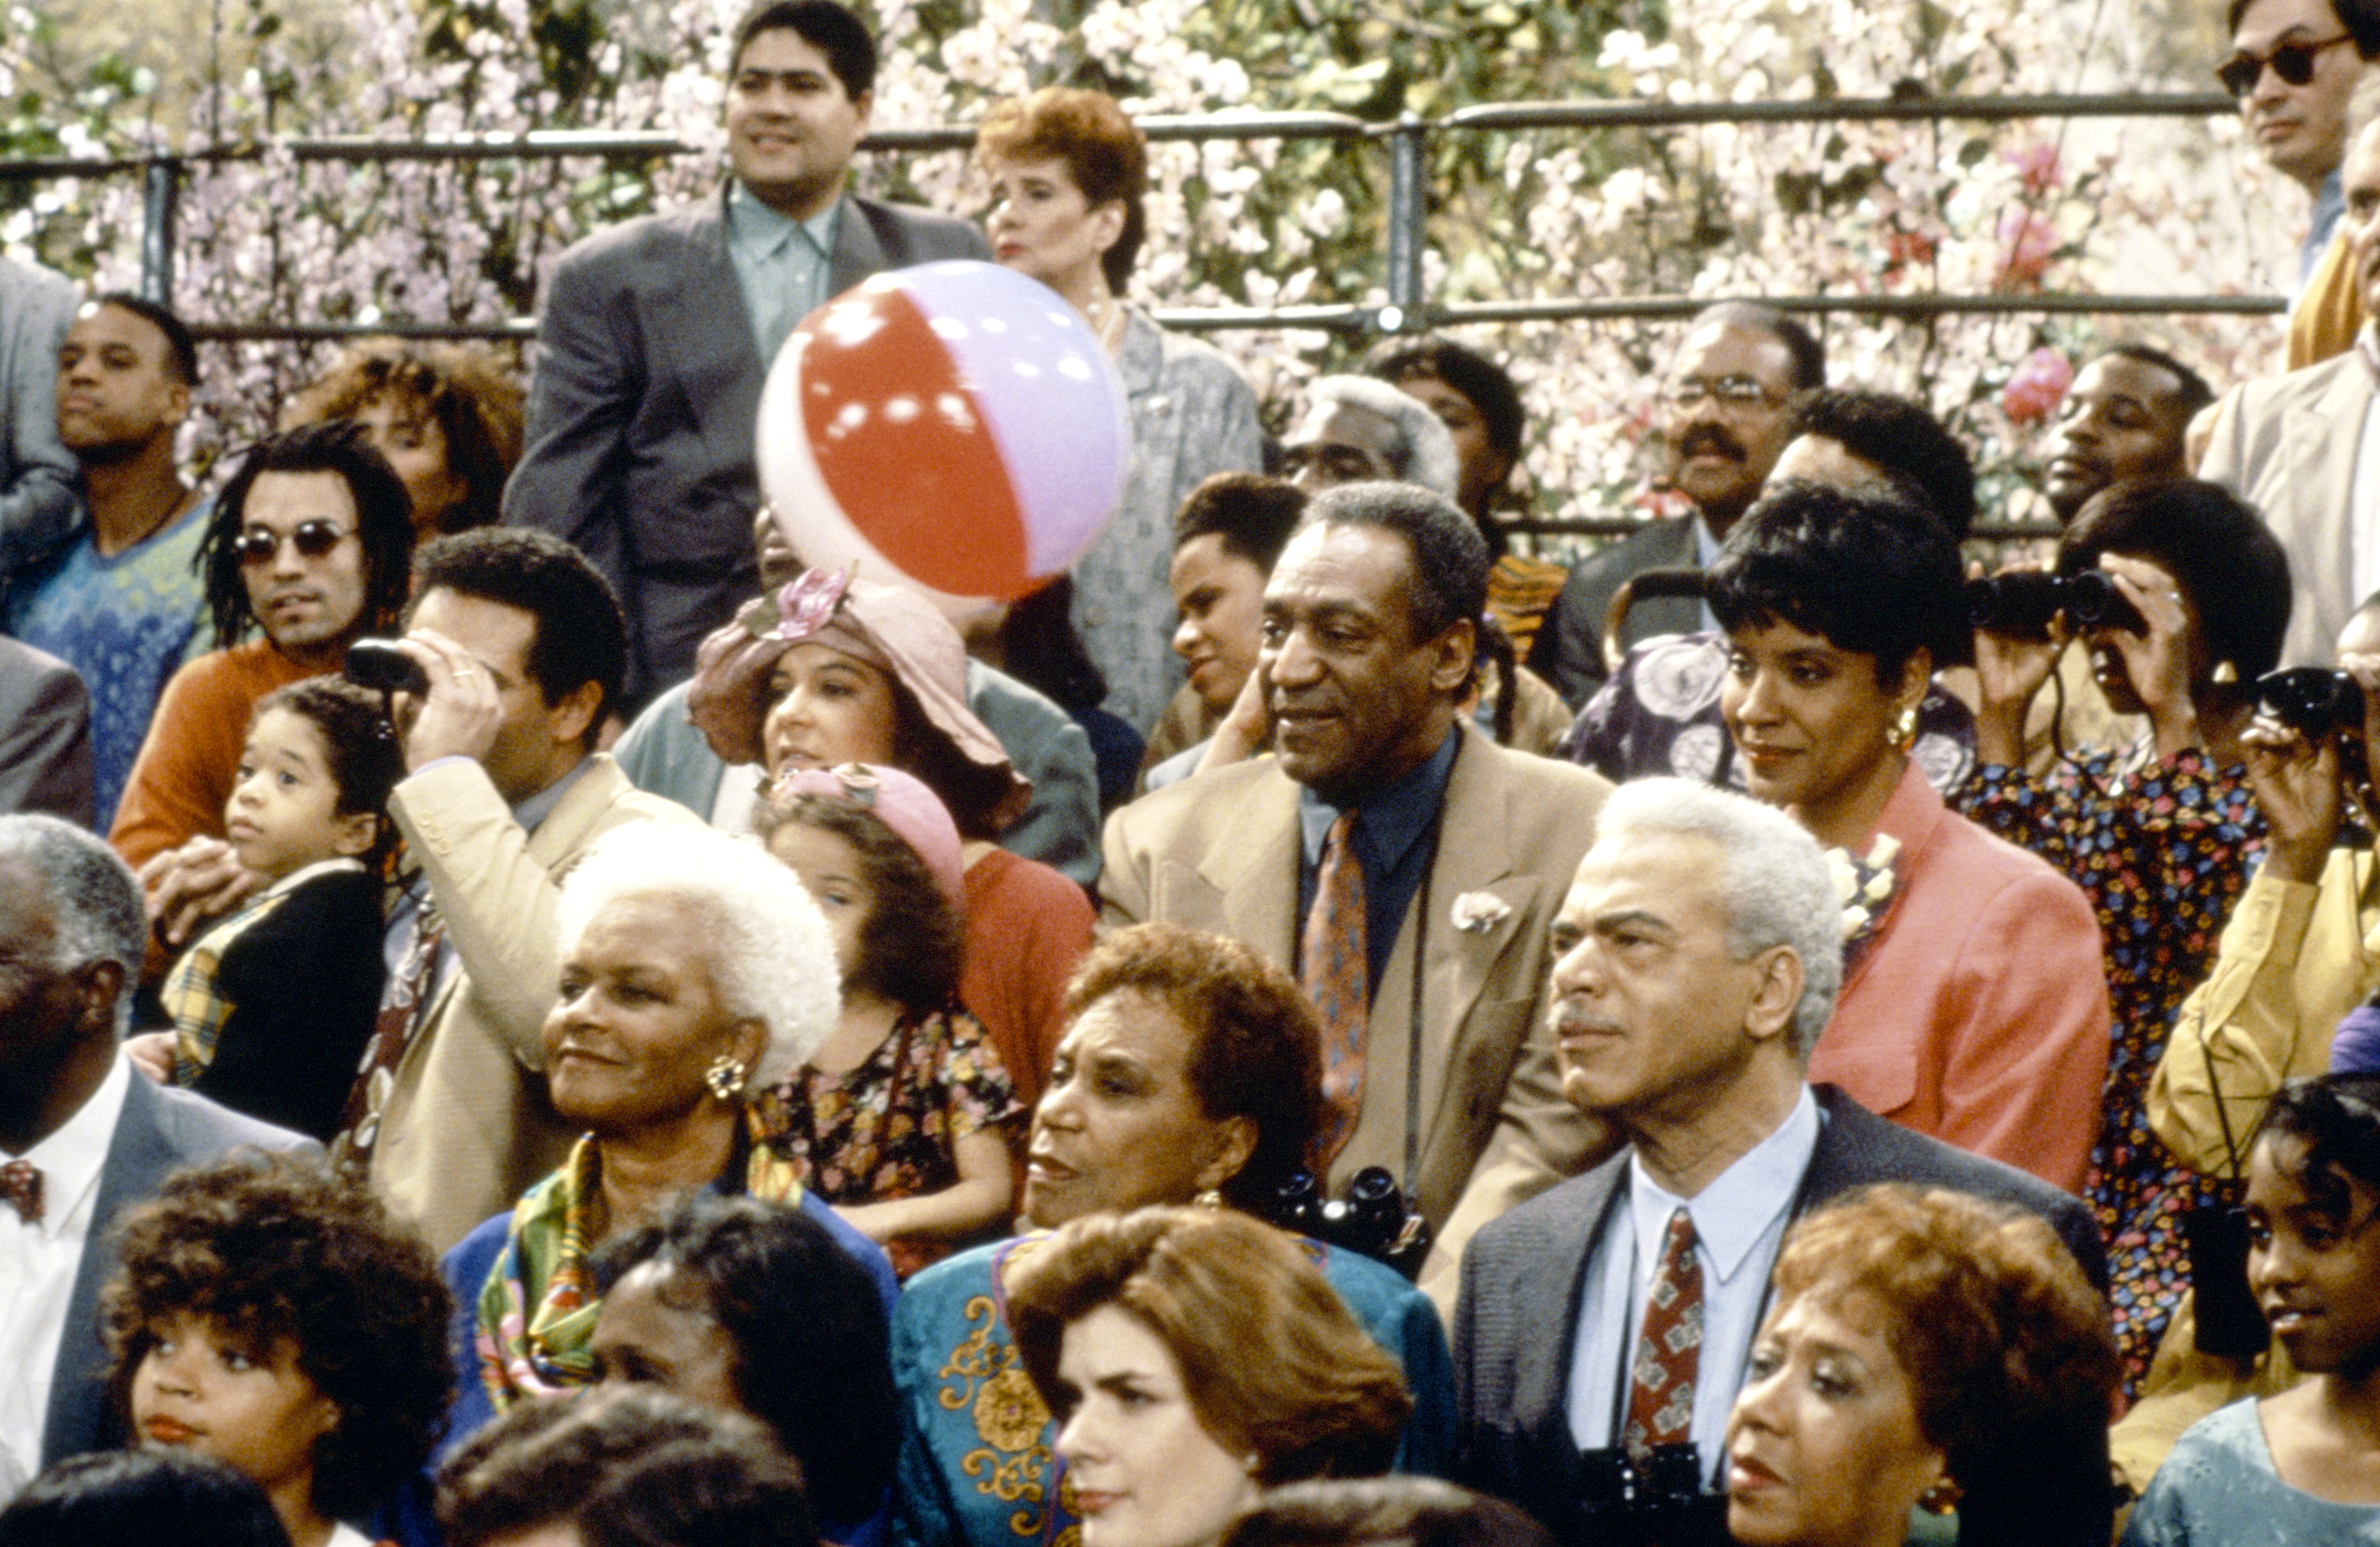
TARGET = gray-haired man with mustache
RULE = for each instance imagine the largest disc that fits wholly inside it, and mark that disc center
(1722, 425)
(1695, 961)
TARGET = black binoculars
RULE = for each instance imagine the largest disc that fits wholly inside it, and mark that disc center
(1627, 1500)
(2021, 605)
(1372, 1220)
(2310, 701)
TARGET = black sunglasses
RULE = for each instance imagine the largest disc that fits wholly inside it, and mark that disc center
(2293, 62)
(313, 539)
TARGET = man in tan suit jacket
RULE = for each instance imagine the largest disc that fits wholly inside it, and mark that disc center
(1465, 848)
(2289, 444)
(502, 795)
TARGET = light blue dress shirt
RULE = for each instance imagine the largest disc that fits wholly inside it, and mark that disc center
(1739, 1223)
(781, 266)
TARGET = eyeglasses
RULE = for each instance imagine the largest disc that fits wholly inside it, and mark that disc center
(1728, 392)
(2293, 62)
(312, 539)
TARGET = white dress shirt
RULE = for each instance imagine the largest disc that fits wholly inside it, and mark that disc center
(2363, 495)
(38, 1262)
(1739, 1223)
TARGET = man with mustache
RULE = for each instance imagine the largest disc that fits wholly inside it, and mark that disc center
(2299, 447)
(657, 334)
(1697, 959)
(306, 545)
(1401, 862)
(1723, 424)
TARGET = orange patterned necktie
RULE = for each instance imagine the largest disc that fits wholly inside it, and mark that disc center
(1333, 971)
(21, 1188)
(1661, 1383)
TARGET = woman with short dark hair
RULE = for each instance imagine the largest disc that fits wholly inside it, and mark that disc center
(1974, 1002)
(1191, 1070)
(2161, 834)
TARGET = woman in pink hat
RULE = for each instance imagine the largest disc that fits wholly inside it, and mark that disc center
(902, 1118)
(834, 670)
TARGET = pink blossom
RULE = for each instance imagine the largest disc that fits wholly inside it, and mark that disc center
(2037, 387)
(2037, 164)
(2027, 243)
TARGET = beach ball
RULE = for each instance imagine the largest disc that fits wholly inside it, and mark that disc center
(953, 427)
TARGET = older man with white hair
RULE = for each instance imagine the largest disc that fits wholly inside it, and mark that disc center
(1357, 429)
(1697, 957)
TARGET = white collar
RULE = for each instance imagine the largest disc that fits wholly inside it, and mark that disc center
(72, 1157)
(1740, 1204)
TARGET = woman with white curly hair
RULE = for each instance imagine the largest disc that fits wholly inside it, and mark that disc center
(696, 973)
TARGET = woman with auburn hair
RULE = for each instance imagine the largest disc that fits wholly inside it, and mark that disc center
(1069, 171)
(1194, 1357)
(1927, 1350)
(1191, 1070)
(446, 416)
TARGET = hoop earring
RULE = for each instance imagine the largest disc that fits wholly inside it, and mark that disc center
(725, 1077)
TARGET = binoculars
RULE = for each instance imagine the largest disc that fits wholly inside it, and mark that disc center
(2022, 604)
(1373, 1220)
(2310, 701)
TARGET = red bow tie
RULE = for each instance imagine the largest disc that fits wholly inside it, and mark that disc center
(21, 1188)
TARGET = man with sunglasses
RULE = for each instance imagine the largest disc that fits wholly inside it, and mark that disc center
(2293, 65)
(1722, 425)
(309, 546)
(2304, 448)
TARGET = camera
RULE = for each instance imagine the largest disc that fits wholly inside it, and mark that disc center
(380, 665)
(2022, 604)
(2310, 701)
(1372, 1221)
(1624, 1499)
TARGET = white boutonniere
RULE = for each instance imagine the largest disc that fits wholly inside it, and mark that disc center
(1478, 912)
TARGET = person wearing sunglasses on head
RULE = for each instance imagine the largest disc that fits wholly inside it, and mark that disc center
(308, 546)
(2293, 65)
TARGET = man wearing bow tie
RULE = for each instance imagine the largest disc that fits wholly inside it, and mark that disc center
(81, 1138)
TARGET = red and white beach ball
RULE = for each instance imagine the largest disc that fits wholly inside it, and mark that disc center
(954, 427)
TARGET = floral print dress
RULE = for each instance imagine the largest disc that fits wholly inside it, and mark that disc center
(890, 1129)
(2162, 846)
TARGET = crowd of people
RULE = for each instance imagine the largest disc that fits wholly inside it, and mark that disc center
(529, 1014)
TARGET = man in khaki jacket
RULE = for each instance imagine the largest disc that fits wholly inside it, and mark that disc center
(1465, 850)
(524, 648)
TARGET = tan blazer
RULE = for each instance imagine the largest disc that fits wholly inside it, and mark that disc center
(2287, 445)
(467, 1128)
(1219, 852)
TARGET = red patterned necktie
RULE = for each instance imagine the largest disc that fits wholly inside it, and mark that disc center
(21, 1188)
(1661, 1380)
(1334, 972)
(404, 1003)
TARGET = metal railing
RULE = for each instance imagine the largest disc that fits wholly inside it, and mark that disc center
(1408, 307)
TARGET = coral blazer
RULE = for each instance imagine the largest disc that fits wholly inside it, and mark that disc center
(1979, 1012)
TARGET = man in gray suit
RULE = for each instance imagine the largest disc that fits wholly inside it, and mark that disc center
(1698, 960)
(657, 334)
(84, 1136)
(1722, 427)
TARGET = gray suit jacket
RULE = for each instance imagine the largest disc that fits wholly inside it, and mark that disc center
(1516, 1322)
(642, 411)
(1569, 648)
(40, 483)
(2286, 445)
(160, 1132)
(45, 757)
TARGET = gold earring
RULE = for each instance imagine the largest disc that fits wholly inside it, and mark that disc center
(1940, 1499)
(1209, 1199)
(725, 1077)
(1904, 734)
